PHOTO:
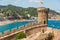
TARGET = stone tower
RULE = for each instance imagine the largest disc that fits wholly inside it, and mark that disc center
(43, 15)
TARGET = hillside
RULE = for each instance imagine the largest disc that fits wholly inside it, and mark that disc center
(10, 10)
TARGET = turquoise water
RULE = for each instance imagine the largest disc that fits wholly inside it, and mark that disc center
(51, 23)
(54, 24)
(13, 25)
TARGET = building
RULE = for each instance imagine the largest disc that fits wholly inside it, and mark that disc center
(43, 15)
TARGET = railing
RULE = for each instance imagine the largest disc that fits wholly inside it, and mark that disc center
(21, 29)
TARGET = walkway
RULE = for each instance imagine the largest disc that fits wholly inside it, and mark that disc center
(37, 36)
(32, 37)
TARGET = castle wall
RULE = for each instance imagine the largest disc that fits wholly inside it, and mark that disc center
(36, 29)
(28, 30)
(42, 19)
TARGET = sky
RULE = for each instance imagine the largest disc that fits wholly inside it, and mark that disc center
(52, 4)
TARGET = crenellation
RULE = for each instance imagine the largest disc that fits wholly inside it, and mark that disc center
(21, 28)
(6, 32)
(14, 30)
(28, 26)
(34, 24)
(1, 34)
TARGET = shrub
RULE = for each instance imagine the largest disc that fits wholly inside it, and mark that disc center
(20, 35)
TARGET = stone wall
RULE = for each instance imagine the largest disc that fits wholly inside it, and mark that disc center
(28, 30)
(43, 15)
(36, 29)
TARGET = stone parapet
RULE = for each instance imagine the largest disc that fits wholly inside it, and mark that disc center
(43, 9)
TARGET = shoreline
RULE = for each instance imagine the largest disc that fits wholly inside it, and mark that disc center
(5, 22)
(53, 19)
(54, 28)
(8, 21)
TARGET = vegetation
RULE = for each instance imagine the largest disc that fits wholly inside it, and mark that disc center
(20, 35)
(11, 10)
(52, 13)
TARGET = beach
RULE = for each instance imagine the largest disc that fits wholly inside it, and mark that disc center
(8, 21)
(53, 19)
(5, 22)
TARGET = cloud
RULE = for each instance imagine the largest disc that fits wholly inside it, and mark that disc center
(35, 0)
(17, 1)
(2, 0)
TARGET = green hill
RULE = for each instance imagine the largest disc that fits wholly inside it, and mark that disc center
(10, 10)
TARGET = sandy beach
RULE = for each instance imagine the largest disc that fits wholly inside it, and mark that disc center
(8, 21)
(53, 19)
(56, 33)
(5, 22)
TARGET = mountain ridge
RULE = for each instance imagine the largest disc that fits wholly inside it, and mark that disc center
(11, 9)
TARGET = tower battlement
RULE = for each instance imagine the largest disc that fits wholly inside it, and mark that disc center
(43, 9)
